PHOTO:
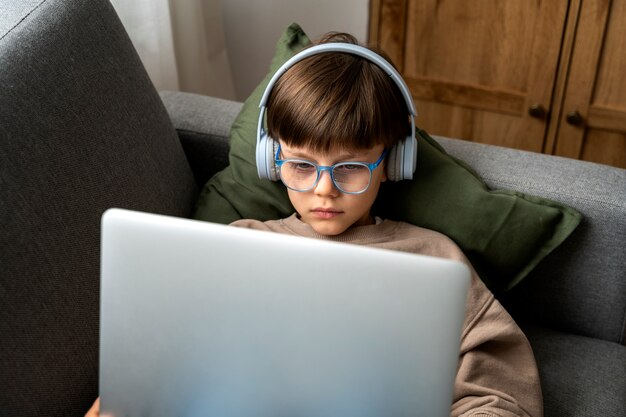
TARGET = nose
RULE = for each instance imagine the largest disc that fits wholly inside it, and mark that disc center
(325, 185)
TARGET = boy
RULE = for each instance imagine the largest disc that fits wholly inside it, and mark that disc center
(335, 116)
(342, 111)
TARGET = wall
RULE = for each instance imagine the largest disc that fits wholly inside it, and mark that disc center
(251, 29)
(181, 44)
(223, 48)
(148, 25)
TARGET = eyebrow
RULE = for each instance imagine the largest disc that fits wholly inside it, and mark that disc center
(338, 158)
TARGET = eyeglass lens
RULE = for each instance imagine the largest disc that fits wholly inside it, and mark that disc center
(348, 177)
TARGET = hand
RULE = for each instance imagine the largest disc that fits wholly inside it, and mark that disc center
(94, 411)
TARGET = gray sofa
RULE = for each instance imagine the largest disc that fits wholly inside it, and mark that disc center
(82, 129)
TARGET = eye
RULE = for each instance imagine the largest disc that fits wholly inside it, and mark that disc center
(350, 168)
(303, 166)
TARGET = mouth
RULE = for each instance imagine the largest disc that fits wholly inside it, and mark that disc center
(324, 213)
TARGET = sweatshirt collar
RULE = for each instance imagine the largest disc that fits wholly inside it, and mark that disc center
(380, 230)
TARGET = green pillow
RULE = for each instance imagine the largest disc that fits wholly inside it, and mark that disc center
(504, 234)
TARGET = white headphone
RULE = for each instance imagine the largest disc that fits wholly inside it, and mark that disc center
(401, 159)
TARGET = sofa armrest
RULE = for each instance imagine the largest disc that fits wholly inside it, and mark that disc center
(203, 125)
(579, 288)
(82, 129)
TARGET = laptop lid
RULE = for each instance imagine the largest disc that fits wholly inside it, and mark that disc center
(200, 319)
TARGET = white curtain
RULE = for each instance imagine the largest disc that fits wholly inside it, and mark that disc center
(181, 44)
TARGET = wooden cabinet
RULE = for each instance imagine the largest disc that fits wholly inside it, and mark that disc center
(544, 76)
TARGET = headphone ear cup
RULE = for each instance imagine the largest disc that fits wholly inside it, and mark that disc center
(272, 148)
(402, 159)
(410, 157)
(265, 152)
(394, 163)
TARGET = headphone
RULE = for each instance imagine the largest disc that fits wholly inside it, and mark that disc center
(402, 157)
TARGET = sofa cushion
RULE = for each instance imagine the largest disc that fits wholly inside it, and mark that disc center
(82, 129)
(580, 376)
(505, 234)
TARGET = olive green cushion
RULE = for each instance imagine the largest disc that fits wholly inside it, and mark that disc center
(505, 234)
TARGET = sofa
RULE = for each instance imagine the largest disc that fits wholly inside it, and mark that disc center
(83, 129)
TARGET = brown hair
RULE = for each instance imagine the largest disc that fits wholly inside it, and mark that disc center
(336, 100)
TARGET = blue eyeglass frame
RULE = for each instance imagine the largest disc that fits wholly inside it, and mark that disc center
(322, 168)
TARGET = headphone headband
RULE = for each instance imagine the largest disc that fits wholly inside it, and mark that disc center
(350, 49)
(402, 157)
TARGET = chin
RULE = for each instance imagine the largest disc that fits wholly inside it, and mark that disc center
(329, 229)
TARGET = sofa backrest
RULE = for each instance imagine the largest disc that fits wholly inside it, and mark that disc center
(82, 129)
(581, 287)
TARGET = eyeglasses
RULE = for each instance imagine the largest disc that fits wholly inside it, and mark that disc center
(348, 177)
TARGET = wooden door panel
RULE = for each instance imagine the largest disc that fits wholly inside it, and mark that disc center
(486, 43)
(605, 147)
(604, 137)
(610, 88)
(602, 117)
(467, 95)
(388, 28)
(464, 122)
(596, 87)
(476, 62)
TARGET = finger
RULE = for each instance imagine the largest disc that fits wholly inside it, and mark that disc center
(94, 411)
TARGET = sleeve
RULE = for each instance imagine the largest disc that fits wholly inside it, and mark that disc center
(497, 374)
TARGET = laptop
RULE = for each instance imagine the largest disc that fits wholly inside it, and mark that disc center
(201, 319)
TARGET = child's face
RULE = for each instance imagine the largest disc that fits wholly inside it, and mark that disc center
(326, 209)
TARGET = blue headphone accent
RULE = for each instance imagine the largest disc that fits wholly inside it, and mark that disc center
(402, 158)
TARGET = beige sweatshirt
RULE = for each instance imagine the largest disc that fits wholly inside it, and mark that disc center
(497, 374)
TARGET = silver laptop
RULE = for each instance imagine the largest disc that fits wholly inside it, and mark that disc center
(199, 319)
